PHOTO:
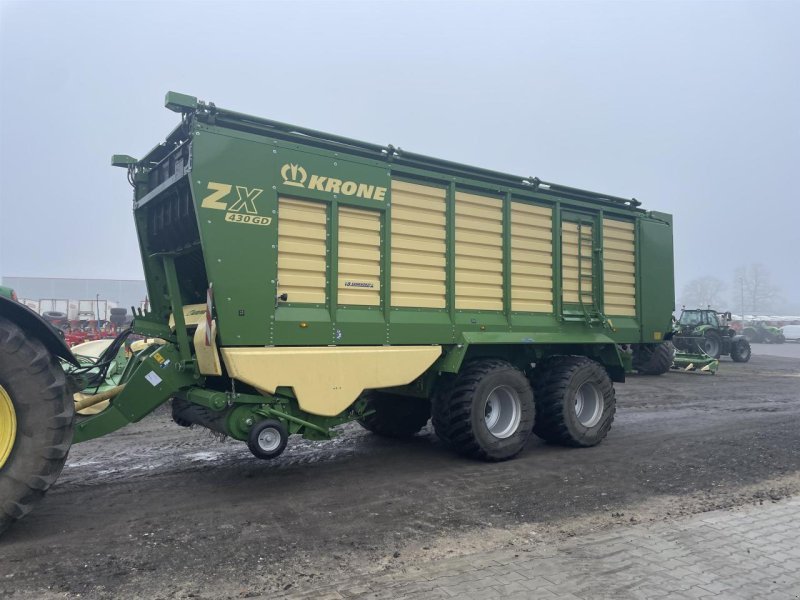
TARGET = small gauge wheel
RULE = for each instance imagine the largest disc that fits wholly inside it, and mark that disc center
(267, 439)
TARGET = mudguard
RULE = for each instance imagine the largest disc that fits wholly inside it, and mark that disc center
(33, 324)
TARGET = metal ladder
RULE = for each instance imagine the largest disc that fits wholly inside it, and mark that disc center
(590, 312)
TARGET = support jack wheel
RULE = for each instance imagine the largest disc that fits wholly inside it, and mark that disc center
(267, 439)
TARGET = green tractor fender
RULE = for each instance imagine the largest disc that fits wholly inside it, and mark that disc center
(34, 325)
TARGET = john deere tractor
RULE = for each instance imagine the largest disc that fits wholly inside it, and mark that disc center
(708, 331)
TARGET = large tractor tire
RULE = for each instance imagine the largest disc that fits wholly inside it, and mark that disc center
(740, 350)
(487, 412)
(36, 420)
(649, 359)
(395, 416)
(575, 401)
(711, 344)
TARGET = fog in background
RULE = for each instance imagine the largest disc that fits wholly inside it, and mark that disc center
(691, 107)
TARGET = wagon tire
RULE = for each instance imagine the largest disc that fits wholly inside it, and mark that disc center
(486, 412)
(37, 415)
(575, 401)
(394, 416)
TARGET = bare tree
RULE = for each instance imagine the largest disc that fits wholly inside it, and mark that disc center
(754, 284)
(703, 291)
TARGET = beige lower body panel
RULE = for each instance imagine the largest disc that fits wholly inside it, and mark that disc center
(206, 354)
(327, 380)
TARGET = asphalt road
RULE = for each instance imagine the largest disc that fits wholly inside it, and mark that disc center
(156, 511)
(787, 350)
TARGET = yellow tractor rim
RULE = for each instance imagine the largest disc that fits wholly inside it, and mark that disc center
(8, 426)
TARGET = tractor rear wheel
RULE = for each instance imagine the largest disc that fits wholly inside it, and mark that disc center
(740, 350)
(711, 344)
(394, 416)
(649, 359)
(487, 412)
(36, 420)
(575, 401)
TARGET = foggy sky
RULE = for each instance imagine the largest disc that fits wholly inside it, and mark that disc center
(693, 108)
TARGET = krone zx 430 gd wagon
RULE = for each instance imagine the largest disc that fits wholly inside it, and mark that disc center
(299, 280)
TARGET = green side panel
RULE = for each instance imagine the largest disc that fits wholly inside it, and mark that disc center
(579, 336)
(419, 326)
(231, 184)
(656, 276)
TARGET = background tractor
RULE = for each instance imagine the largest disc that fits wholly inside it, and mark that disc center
(709, 331)
(759, 332)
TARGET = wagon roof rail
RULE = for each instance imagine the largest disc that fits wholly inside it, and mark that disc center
(209, 112)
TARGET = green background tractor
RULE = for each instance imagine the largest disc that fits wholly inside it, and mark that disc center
(709, 331)
(761, 333)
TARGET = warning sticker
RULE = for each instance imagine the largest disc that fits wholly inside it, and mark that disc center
(153, 378)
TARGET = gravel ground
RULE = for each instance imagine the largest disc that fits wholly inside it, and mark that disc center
(157, 511)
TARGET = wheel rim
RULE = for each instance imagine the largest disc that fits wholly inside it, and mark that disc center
(502, 412)
(711, 346)
(269, 439)
(588, 404)
(8, 426)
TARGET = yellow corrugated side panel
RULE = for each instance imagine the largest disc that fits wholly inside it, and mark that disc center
(302, 228)
(569, 262)
(619, 268)
(479, 252)
(359, 257)
(531, 258)
(418, 245)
